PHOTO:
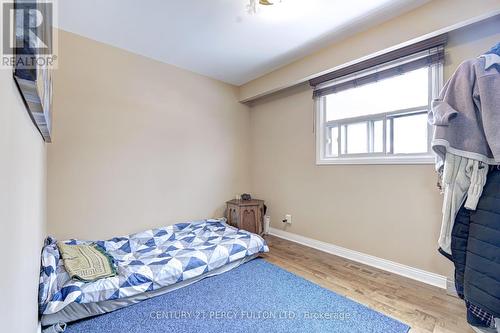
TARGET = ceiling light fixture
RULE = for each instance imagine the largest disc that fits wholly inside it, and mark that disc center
(254, 4)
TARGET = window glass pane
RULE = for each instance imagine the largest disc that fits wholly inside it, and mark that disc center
(343, 139)
(400, 92)
(410, 134)
(378, 136)
(357, 138)
(333, 147)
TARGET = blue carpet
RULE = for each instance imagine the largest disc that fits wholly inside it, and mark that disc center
(255, 297)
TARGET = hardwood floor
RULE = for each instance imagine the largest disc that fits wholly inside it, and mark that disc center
(425, 308)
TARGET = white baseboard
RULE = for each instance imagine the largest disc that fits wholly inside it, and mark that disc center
(386, 265)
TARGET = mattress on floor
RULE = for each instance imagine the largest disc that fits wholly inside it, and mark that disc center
(148, 261)
(77, 311)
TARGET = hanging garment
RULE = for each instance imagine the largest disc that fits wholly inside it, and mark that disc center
(492, 57)
(475, 248)
(466, 117)
(476, 316)
(495, 49)
(463, 180)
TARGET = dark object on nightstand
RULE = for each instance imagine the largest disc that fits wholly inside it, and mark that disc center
(246, 214)
(246, 197)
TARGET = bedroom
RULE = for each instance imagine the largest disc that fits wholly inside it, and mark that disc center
(160, 115)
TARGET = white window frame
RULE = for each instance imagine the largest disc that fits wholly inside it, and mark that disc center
(322, 126)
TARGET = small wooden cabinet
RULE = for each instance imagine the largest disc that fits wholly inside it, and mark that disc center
(246, 214)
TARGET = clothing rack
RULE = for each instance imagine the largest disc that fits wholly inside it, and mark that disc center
(466, 140)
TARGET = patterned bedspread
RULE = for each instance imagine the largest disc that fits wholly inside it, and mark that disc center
(146, 261)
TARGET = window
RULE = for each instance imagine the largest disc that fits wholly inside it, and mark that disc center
(378, 116)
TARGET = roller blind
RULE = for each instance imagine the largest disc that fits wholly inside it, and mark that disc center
(397, 62)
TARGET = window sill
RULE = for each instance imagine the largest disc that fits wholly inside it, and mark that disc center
(398, 159)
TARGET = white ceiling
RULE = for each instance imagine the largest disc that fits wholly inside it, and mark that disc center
(218, 38)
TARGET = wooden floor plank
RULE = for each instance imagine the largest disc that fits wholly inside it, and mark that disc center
(427, 309)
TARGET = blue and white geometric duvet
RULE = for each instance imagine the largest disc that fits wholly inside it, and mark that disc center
(146, 261)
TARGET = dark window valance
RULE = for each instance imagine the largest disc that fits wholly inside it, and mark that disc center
(429, 51)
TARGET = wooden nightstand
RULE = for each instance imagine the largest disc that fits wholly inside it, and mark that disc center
(246, 214)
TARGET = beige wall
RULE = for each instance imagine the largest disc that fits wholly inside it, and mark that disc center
(22, 210)
(435, 15)
(392, 212)
(138, 143)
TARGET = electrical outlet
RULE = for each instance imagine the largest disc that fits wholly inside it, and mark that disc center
(288, 219)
